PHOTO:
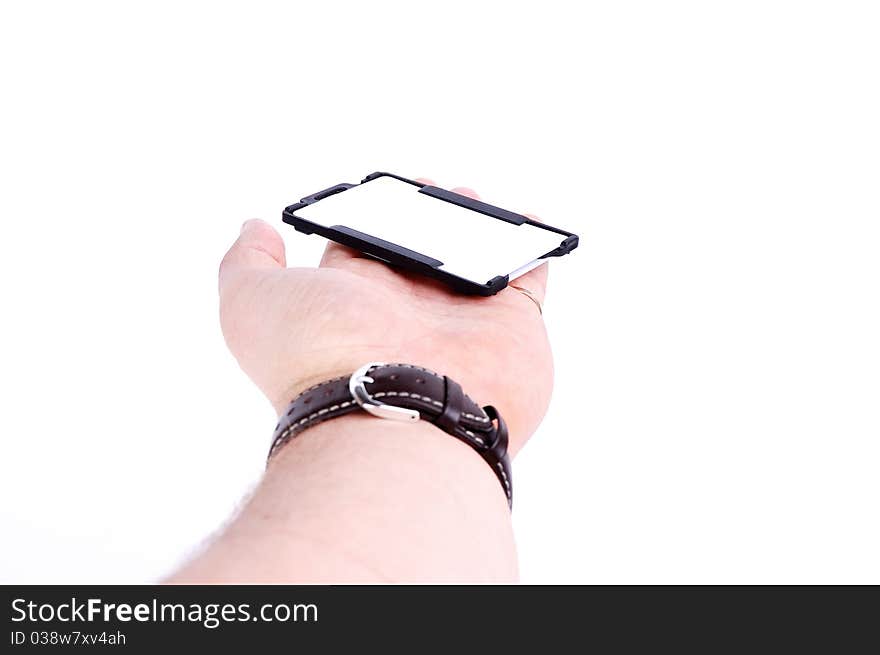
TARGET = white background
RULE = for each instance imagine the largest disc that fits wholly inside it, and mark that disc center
(716, 334)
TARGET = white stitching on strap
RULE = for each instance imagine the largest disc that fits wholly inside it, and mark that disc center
(380, 394)
(483, 418)
(321, 384)
(296, 426)
(406, 394)
(475, 437)
(506, 481)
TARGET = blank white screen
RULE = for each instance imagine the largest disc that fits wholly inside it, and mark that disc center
(395, 211)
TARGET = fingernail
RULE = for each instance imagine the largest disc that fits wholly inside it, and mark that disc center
(245, 224)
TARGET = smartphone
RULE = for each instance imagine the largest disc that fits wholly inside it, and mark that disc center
(472, 246)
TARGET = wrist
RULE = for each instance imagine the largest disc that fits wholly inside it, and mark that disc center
(402, 392)
(521, 401)
(418, 453)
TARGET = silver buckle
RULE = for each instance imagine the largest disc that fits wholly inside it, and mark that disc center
(367, 402)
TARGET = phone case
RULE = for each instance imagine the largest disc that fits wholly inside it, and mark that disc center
(396, 255)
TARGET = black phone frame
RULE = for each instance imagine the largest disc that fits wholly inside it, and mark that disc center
(410, 260)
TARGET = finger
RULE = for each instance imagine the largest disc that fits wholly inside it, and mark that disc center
(335, 254)
(426, 180)
(466, 191)
(258, 246)
(535, 281)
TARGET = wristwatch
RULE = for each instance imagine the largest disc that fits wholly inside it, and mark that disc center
(412, 393)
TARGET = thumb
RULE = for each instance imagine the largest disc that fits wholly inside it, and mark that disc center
(259, 246)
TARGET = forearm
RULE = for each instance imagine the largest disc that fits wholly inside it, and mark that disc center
(360, 499)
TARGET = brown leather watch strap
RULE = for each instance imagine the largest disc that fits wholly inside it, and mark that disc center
(436, 398)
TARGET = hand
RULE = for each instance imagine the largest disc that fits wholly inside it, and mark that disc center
(290, 328)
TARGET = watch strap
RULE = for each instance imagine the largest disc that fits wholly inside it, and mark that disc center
(436, 398)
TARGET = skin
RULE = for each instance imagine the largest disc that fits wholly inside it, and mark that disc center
(360, 499)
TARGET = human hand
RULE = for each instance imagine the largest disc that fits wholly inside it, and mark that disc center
(290, 328)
